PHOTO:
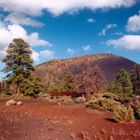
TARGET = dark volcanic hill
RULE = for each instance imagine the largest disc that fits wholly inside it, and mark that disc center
(53, 71)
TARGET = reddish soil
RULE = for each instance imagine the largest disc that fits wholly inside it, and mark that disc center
(39, 120)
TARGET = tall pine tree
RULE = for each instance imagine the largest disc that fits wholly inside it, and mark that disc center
(19, 68)
(135, 78)
(122, 84)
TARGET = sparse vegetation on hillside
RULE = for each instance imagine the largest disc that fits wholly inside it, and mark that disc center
(53, 71)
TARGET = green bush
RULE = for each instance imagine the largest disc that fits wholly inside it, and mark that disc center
(124, 99)
(102, 104)
(122, 114)
(32, 86)
(59, 87)
(111, 103)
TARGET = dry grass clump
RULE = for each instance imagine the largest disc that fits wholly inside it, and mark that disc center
(57, 99)
(81, 99)
(63, 99)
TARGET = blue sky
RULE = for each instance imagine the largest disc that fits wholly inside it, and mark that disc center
(64, 29)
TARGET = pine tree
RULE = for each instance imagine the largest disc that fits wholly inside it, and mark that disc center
(124, 79)
(69, 82)
(115, 87)
(122, 84)
(19, 66)
(135, 78)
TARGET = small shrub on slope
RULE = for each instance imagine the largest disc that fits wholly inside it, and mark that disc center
(123, 114)
(102, 104)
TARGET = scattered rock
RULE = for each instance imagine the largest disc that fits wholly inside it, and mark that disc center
(102, 131)
(50, 129)
(10, 102)
(19, 103)
(72, 135)
(53, 122)
(70, 122)
(81, 135)
(59, 104)
(111, 138)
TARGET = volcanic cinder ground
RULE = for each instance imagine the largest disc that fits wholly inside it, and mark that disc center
(40, 120)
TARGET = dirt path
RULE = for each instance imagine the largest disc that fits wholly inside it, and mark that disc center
(39, 120)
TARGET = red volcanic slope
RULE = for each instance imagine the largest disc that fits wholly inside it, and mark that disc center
(53, 71)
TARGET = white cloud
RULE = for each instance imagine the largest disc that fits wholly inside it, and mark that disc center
(35, 56)
(2, 54)
(118, 33)
(28, 7)
(8, 33)
(109, 26)
(16, 31)
(47, 54)
(1, 24)
(42, 55)
(21, 19)
(57, 7)
(34, 40)
(91, 20)
(133, 24)
(103, 32)
(86, 48)
(131, 42)
(71, 51)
